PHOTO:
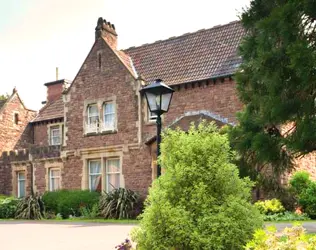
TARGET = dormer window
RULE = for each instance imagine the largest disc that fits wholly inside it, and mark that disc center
(108, 116)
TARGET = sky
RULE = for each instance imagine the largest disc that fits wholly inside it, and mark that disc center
(36, 36)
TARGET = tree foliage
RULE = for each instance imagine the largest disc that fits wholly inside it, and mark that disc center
(200, 202)
(4, 97)
(277, 83)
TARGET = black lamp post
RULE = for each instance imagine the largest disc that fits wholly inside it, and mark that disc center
(158, 96)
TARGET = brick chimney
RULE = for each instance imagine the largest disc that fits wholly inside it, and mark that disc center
(107, 31)
(55, 89)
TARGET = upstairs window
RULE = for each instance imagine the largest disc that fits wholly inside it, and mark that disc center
(100, 116)
(55, 135)
(108, 116)
(93, 119)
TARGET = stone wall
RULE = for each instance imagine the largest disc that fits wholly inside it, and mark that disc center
(217, 98)
(15, 135)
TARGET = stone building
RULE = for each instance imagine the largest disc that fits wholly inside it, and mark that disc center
(15, 132)
(97, 133)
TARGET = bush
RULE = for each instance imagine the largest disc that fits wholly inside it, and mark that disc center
(92, 213)
(291, 238)
(307, 199)
(30, 208)
(286, 216)
(199, 202)
(8, 207)
(300, 182)
(69, 202)
(305, 191)
(266, 207)
(120, 203)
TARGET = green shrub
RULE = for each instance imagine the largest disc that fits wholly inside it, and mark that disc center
(30, 208)
(8, 207)
(300, 182)
(286, 216)
(199, 202)
(272, 206)
(307, 199)
(69, 202)
(90, 213)
(291, 238)
(120, 203)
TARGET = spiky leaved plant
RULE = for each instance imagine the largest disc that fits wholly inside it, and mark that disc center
(120, 203)
(30, 208)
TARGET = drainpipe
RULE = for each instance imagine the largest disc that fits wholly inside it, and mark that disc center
(140, 82)
(32, 175)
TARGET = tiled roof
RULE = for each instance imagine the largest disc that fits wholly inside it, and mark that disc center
(205, 54)
(52, 110)
(186, 121)
(127, 61)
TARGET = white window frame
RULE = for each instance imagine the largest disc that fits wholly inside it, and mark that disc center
(51, 178)
(110, 173)
(51, 130)
(94, 174)
(151, 115)
(106, 127)
(92, 128)
(19, 185)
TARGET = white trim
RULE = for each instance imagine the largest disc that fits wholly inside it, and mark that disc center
(111, 173)
(151, 116)
(108, 127)
(53, 177)
(94, 174)
(53, 137)
(92, 127)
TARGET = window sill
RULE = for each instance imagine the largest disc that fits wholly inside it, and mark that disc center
(106, 132)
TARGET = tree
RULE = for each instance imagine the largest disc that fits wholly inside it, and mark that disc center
(277, 83)
(4, 97)
(200, 202)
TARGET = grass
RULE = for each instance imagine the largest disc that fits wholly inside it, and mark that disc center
(110, 221)
(105, 221)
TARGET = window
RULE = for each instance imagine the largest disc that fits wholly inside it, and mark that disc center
(113, 173)
(108, 116)
(95, 175)
(55, 135)
(151, 116)
(93, 118)
(21, 184)
(54, 179)
(16, 118)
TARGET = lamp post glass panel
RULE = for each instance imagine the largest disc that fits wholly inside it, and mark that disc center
(158, 96)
